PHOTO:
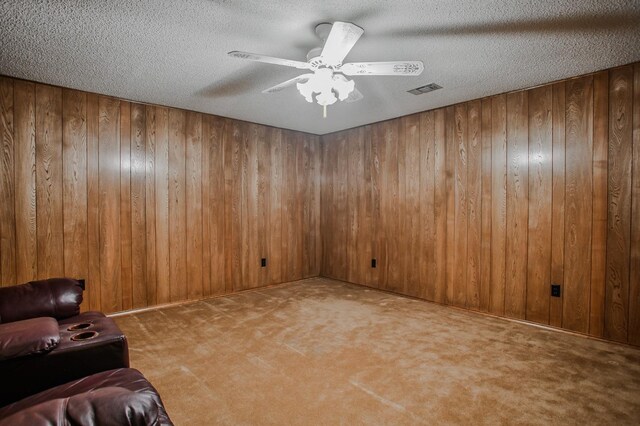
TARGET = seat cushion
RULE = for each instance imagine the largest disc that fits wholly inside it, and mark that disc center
(28, 337)
(127, 378)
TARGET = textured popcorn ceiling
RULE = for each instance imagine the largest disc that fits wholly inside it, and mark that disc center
(174, 52)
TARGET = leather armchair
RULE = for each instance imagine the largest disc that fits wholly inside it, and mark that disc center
(45, 341)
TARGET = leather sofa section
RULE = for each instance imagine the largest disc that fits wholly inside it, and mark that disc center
(70, 360)
(117, 397)
(28, 337)
(56, 297)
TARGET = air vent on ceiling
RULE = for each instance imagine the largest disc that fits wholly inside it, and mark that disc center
(425, 89)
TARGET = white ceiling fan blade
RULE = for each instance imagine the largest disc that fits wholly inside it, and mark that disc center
(277, 88)
(383, 68)
(354, 96)
(341, 39)
(270, 60)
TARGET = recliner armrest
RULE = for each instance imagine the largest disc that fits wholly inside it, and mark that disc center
(104, 406)
(28, 337)
(56, 297)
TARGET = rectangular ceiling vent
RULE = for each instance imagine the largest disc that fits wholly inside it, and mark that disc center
(425, 89)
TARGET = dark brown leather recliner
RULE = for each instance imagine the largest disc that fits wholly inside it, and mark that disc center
(115, 397)
(45, 341)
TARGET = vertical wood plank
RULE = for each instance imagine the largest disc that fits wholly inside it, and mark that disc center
(461, 219)
(391, 213)
(251, 230)
(161, 207)
(540, 204)
(427, 206)
(354, 182)
(634, 281)
(263, 214)
(109, 203)
(205, 196)
(558, 211)
(619, 215)
(93, 285)
(214, 138)
(275, 206)
(484, 292)
(578, 218)
(340, 200)
(412, 204)
(499, 203)
(150, 204)
(451, 159)
(440, 207)
(7, 185)
(24, 111)
(125, 206)
(474, 204)
(313, 239)
(599, 229)
(177, 206)
(517, 214)
(138, 206)
(74, 196)
(193, 194)
(376, 220)
(49, 181)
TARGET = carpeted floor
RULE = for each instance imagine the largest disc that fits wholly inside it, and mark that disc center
(324, 352)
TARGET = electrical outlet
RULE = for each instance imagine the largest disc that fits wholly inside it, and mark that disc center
(263, 262)
(373, 263)
(555, 290)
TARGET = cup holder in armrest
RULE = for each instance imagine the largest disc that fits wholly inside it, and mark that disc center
(80, 326)
(85, 335)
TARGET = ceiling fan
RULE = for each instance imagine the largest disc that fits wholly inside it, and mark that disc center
(326, 83)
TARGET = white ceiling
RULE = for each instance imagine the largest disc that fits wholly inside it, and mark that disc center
(174, 52)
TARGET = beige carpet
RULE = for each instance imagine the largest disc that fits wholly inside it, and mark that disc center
(324, 352)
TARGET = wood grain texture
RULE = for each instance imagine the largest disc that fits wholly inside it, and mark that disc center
(461, 213)
(177, 221)
(126, 281)
(412, 215)
(427, 206)
(634, 274)
(150, 205)
(558, 211)
(162, 201)
(474, 204)
(440, 211)
(74, 196)
(578, 213)
(193, 204)
(93, 210)
(109, 203)
(450, 157)
(540, 204)
(138, 206)
(619, 199)
(7, 185)
(274, 263)
(49, 181)
(517, 213)
(499, 203)
(213, 133)
(599, 195)
(484, 291)
(24, 127)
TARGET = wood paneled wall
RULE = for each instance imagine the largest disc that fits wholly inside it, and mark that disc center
(150, 204)
(484, 204)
